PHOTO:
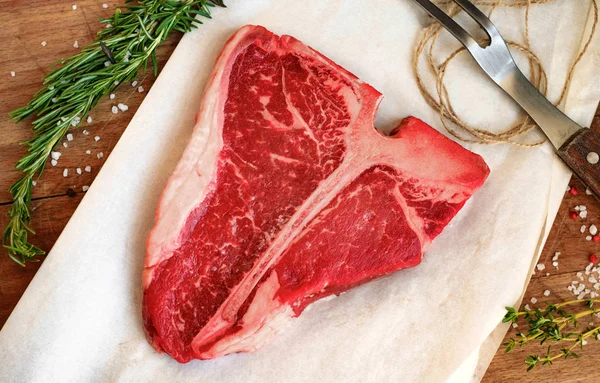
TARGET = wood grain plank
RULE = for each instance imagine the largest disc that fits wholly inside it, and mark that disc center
(50, 215)
(565, 237)
(27, 24)
(30, 60)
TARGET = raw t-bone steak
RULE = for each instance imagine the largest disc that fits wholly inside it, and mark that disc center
(285, 194)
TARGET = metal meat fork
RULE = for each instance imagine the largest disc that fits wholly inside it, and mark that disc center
(579, 148)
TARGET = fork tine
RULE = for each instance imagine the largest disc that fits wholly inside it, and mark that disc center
(452, 26)
(479, 17)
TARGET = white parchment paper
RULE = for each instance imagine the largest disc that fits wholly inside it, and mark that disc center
(80, 319)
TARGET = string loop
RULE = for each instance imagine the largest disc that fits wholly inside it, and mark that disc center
(443, 104)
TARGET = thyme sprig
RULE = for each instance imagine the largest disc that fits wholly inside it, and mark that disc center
(553, 324)
(124, 48)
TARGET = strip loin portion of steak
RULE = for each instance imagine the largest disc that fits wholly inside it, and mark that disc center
(286, 193)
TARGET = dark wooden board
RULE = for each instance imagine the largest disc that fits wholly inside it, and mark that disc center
(27, 24)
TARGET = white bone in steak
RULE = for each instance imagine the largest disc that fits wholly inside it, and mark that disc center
(285, 194)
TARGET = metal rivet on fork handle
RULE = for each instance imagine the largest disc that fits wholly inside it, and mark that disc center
(593, 158)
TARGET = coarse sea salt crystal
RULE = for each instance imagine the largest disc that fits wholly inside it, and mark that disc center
(69, 137)
(588, 191)
(576, 208)
(85, 188)
(88, 168)
(88, 152)
(555, 264)
(593, 230)
(514, 325)
(97, 138)
(134, 83)
(527, 307)
(582, 207)
(85, 132)
(570, 287)
(541, 266)
(589, 266)
(100, 155)
(556, 255)
(140, 89)
(89, 121)
(584, 342)
(105, 6)
(547, 293)
(33, 183)
(55, 155)
(534, 300)
(582, 229)
(54, 162)
(65, 172)
(65, 145)
(592, 279)
(74, 7)
(588, 238)
(76, 44)
(78, 170)
(547, 274)
(597, 286)
(583, 213)
(114, 109)
(593, 294)
(12, 73)
(581, 296)
(112, 96)
(122, 107)
(44, 43)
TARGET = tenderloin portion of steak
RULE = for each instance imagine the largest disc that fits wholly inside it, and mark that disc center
(286, 193)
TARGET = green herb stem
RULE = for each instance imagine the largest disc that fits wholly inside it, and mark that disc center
(69, 92)
(549, 325)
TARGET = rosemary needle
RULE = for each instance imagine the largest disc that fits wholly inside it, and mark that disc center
(124, 48)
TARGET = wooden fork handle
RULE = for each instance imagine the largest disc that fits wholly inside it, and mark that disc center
(582, 154)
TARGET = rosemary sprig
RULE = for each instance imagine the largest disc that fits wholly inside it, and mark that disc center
(123, 49)
(554, 324)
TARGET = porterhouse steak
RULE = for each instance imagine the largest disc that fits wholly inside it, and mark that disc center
(285, 194)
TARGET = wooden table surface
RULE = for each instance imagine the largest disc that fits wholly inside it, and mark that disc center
(55, 198)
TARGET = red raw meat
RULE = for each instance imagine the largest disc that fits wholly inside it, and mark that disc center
(286, 194)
